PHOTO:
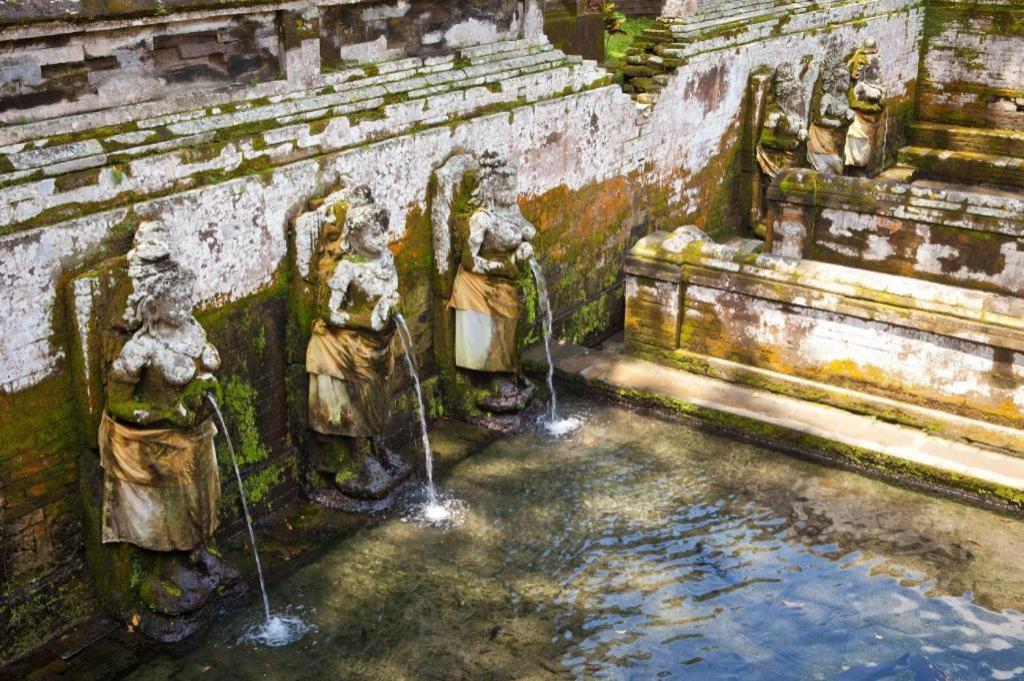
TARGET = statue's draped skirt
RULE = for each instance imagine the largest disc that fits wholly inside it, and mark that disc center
(860, 139)
(349, 380)
(160, 485)
(774, 161)
(487, 310)
(826, 148)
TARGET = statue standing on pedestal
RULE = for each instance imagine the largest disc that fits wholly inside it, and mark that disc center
(867, 99)
(832, 115)
(160, 476)
(350, 358)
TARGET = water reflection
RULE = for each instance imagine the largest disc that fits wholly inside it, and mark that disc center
(635, 548)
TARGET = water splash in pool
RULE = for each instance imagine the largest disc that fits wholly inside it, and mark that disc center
(554, 425)
(275, 630)
(433, 511)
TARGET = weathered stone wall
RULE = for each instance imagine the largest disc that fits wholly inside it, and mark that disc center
(377, 31)
(690, 301)
(226, 170)
(972, 59)
(49, 75)
(704, 68)
(948, 235)
(640, 8)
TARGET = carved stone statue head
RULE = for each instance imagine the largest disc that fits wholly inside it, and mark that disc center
(871, 71)
(836, 79)
(788, 93)
(865, 63)
(366, 224)
(161, 288)
(496, 181)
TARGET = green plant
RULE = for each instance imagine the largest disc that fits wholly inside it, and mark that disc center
(613, 19)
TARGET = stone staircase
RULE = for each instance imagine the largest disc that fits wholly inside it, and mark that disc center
(669, 43)
(74, 169)
(968, 155)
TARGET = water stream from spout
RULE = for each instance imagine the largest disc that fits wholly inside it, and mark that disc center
(276, 630)
(433, 511)
(554, 425)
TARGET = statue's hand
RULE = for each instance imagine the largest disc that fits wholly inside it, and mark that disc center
(801, 134)
(524, 252)
(210, 358)
(339, 318)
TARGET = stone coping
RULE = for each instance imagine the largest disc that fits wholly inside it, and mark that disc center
(26, 19)
(273, 92)
(948, 205)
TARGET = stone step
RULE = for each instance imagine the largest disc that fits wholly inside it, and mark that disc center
(965, 167)
(784, 420)
(158, 134)
(960, 138)
(277, 90)
(899, 173)
(199, 156)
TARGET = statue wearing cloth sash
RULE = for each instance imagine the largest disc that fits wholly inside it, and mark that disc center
(160, 477)
(485, 296)
(350, 357)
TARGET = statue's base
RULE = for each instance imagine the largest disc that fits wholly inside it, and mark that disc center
(510, 422)
(334, 498)
(185, 594)
(503, 403)
(382, 478)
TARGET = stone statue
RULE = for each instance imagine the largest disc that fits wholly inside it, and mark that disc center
(867, 99)
(160, 476)
(350, 358)
(784, 131)
(832, 115)
(785, 128)
(485, 296)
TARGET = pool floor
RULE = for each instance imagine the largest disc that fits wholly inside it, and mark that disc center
(638, 548)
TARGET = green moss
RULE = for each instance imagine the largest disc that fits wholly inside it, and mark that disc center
(258, 485)
(72, 181)
(92, 133)
(615, 46)
(239, 407)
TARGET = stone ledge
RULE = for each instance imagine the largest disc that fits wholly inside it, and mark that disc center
(213, 156)
(947, 233)
(953, 205)
(863, 442)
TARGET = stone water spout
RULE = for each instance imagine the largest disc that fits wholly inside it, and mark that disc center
(156, 442)
(350, 357)
(867, 99)
(832, 115)
(482, 255)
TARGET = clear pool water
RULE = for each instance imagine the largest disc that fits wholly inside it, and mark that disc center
(635, 548)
